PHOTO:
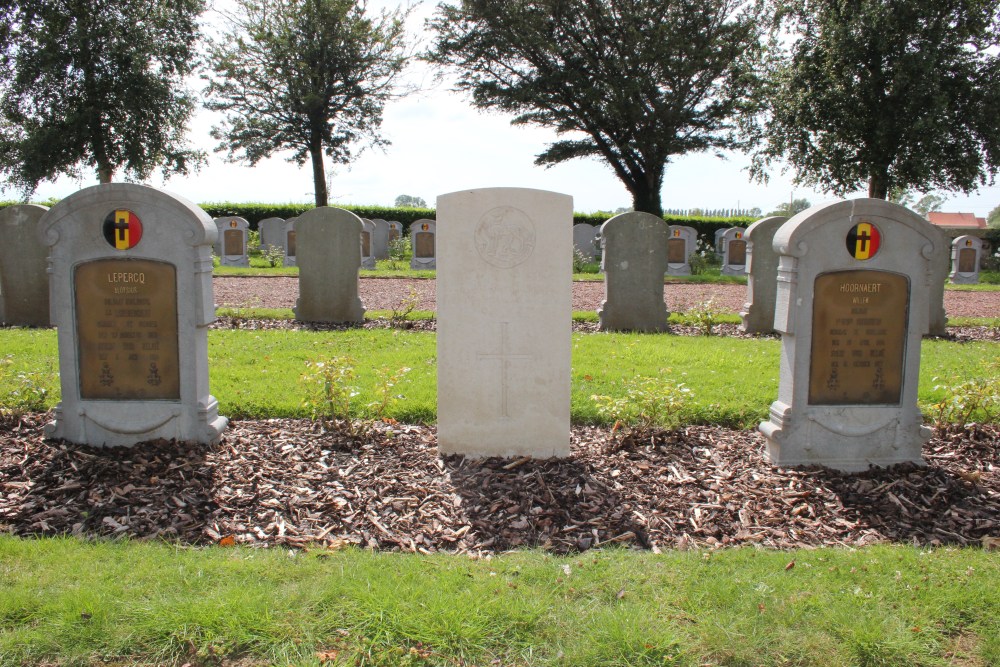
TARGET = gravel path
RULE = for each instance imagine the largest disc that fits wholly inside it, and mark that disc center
(389, 293)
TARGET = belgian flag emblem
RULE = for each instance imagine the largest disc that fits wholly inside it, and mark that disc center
(122, 229)
(863, 240)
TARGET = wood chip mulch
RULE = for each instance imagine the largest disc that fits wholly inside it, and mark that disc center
(285, 482)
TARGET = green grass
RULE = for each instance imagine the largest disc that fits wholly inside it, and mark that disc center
(66, 601)
(256, 374)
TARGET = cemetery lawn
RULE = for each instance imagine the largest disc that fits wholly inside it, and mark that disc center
(259, 373)
(65, 601)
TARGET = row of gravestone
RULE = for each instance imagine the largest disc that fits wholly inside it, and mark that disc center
(130, 284)
(231, 245)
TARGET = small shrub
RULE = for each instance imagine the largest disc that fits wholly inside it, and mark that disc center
(644, 407)
(705, 316)
(253, 241)
(399, 251)
(331, 392)
(963, 401)
(28, 394)
(273, 255)
(399, 317)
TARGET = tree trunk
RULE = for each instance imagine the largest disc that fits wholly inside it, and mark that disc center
(105, 172)
(878, 183)
(646, 198)
(319, 175)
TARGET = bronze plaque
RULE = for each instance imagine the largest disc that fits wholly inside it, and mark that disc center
(737, 253)
(967, 260)
(393, 234)
(858, 338)
(233, 240)
(126, 328)
(676, 251)
(290, 243)
(366, 244)
(424, 245)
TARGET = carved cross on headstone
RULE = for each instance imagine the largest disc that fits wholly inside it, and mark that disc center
(505, 358)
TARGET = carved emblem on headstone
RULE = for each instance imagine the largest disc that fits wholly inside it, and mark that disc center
(122, 229)
(505, 237)
(863, 240)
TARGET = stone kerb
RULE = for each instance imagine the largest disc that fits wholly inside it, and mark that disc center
(329, 260)
(24, 280)
(130, 271)
(634, 261)
(852, 305)
(232, 241)
(965, 259)
(762, 275)
(681, 244)
(504, 294)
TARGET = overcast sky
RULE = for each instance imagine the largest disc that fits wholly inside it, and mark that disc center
(441, 144)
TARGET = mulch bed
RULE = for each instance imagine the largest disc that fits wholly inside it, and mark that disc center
(286, 482)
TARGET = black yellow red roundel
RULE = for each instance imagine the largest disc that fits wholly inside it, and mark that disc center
(122, 229)
(863, 240)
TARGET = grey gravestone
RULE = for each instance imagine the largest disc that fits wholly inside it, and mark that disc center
(635, 259)
(965, 255)
(682, 242)
(131, 289)
(232, 241)
(395, 231)
(24, 278)
(329, 260)
(367, 244)
(938, 324)
(380, 239)
(762, 275)
(272, 233)
(852, 305)
(504, 322)
(584, 241)
(290, 246)
(423, 242)
(734, 251)
(719, 233)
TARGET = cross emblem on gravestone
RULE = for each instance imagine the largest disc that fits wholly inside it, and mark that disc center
(505, 358)
(863, 239)
(121, 225)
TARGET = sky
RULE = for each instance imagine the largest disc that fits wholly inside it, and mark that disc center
(441, 144)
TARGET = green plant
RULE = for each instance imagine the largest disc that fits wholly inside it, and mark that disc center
(384, 397)
(400, 316)
(704, 261)
(273, 255)
(705, 316)
(253, 241)
(330, 390)
(399, 250)
(964, 401)
(580, 260)
(642, 407)
(28, 394)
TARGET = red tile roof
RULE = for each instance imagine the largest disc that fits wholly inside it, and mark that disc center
(956, 220)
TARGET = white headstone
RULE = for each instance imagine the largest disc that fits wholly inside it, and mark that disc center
(232, 241)
(131, 288)
(584, 241)
(852, 305)
(24, 279)
(290, 246)
(424, 245)
(635, 259)
(328, 260)
(367, 237)
(762, 275)
(965, 256)
(681, 244)
(504, 322)
(272, 233)
(734, 252)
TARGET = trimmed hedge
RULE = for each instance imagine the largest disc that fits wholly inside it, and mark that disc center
(255, 212)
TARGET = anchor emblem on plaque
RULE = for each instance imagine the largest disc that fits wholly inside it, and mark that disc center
(106, 378)
(879, 381)
(153, 378)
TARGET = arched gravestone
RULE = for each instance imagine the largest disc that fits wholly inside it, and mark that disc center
(852, 305)
(734, 251)
(367, 237)
(329, 260)
(291, 248)
(938, 322)
(272, 233)
(423, 243)
(380, 239)
(965, 253)
(635, 259)
(24, 278)
(232, 241)
(395, 231)
(584, 237)
(131, 289)
(762, 275)
(504, 299)
(682, 242)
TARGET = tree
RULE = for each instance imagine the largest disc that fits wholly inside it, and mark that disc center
(96, 84)
(886, 94)
(993, 218)
(410, 201)
(790, 208)
(929, 202)
(307, 76)
(632, 82)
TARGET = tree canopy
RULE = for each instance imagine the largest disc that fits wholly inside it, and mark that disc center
(886, 95)
(631, 82)
(307, 76)
(410, 201)
(97, 84)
